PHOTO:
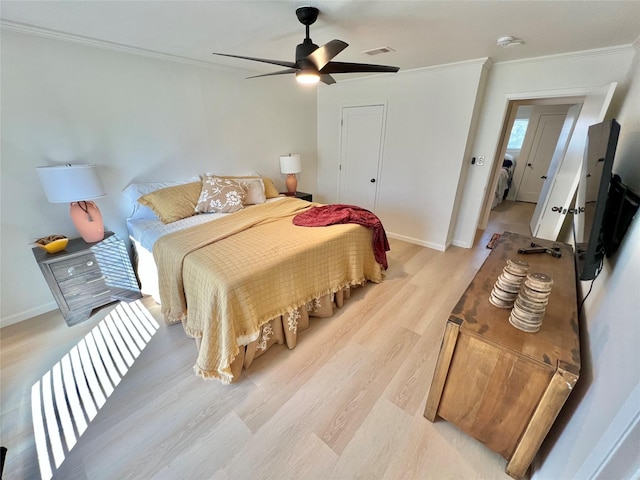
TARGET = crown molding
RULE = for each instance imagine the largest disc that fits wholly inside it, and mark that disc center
(484, 62)
(115, 47)
(573, 55)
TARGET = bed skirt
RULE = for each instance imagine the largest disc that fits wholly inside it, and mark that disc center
(285, 329)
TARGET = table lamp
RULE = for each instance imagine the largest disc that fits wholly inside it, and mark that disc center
(77, 185)
(291, 164)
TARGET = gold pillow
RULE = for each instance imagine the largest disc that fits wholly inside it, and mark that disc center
(173, 203)
(220, 195)
(270, 190)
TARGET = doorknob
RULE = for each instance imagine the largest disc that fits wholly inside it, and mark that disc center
(373, 180)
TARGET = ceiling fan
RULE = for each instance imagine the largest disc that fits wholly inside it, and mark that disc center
(314, 63)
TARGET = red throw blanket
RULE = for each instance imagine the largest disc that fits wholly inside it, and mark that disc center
(337, 213)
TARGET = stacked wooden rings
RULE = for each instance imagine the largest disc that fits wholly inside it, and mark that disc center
(507, 286)
(531, 302)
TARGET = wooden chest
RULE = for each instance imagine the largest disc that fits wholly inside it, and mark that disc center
(499, 384)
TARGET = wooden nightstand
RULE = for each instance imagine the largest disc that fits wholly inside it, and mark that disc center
(301, 195)
(86, 276)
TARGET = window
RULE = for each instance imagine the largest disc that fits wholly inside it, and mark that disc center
(518, 131)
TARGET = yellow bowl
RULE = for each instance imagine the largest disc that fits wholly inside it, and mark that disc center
(55, 246)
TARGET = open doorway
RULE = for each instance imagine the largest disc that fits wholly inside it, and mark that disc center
(527, 143)
(566, 167)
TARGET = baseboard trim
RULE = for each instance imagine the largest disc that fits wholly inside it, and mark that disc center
(32, 312)
(460, 243)
(422, 243)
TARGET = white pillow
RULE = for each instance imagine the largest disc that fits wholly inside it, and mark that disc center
(255, 191)
(134, 191)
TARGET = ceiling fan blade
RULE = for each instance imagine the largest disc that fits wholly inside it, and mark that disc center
(323, 55)
(346, 67)
(279, 72)
(327, 79)
(282, 63)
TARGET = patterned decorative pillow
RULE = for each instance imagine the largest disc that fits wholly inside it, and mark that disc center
(270, 190)
(220, 195)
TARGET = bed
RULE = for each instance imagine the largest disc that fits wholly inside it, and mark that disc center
(505, 179)
(250, 278)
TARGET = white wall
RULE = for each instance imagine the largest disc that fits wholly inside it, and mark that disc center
(146, 119)
(137, 118)
(606, 399)
(555, 76)
(430, 115)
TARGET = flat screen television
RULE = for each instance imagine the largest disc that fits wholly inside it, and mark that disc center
(602, 141)
(605, 206)
(622, 205)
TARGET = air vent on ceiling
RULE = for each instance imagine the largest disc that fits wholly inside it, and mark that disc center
(378, 51)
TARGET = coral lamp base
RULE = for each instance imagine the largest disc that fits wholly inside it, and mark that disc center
(88, 221)
(292, 183)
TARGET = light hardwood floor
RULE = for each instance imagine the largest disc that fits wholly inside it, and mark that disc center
(346, 403)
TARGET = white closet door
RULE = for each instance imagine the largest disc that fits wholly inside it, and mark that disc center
(546, 134)
(361, 144)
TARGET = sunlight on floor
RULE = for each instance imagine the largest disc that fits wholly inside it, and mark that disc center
(68, 397)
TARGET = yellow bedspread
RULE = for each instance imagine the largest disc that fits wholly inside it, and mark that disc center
(224, 279)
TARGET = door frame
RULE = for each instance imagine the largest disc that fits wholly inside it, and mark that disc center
(512, 102)
(565, 174)
(383, 133)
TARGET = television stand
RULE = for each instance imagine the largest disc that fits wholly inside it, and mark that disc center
(503, 386)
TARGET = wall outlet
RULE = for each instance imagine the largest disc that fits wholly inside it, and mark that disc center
(480, 160)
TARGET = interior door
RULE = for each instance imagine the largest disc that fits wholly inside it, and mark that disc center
(566, 165)
(557, 160)
(545, 137)
(360, 155)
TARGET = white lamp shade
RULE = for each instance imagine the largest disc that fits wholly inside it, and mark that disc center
(290, 164)
(71, 183)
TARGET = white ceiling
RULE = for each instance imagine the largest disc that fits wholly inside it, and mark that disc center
(423, 33)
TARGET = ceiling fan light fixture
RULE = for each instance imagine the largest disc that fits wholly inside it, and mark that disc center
(315, 64)
(307, 77)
